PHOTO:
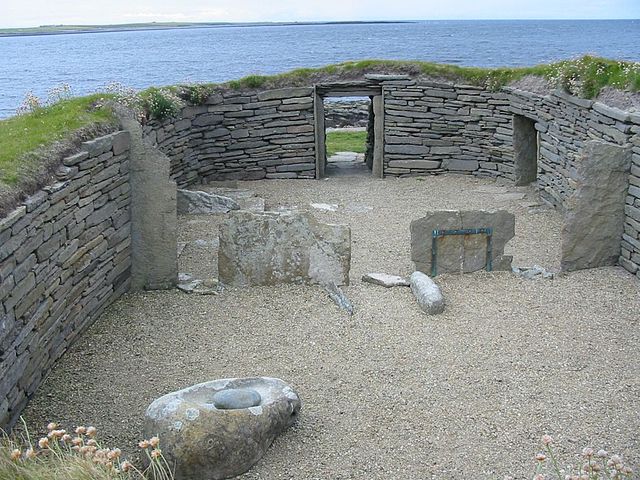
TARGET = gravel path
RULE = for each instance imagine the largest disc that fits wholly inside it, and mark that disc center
(388, 393)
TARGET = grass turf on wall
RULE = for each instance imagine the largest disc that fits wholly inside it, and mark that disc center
(30, 144)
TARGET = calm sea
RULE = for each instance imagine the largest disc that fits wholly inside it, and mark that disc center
(140, 59)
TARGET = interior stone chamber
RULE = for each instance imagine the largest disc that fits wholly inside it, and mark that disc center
(74, 247)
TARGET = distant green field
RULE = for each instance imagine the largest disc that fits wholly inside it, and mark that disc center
(57, 29)
(345, 141)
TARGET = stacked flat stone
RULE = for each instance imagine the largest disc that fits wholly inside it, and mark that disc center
(64, 257)
(240, 136)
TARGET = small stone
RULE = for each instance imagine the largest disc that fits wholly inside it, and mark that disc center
(234, 398)
(328, 207)
(385, 280)
(184, 277)
(427, 293)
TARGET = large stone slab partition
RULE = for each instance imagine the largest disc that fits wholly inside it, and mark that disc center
(272, 248)
(594, 222)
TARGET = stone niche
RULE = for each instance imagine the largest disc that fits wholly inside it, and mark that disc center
(594, 221)
(272, 248)
(461, 253)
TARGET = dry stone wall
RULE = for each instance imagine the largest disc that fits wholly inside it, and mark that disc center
(240, 136)
(65, 253)
(64, 257)
(433, 128)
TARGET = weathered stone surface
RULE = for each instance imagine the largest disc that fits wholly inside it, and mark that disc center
(282, 247)
(594, 220)
(196, 202)
(461, 253)
(385, 280)
(153, 214)
(206, 442)
(427, 293)
(234, 398)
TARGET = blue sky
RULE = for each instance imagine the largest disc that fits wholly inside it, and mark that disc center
(18, 13)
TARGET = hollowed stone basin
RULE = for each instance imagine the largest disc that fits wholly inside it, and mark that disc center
(207, 442)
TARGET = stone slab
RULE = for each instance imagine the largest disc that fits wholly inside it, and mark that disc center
(461, 253)
(595, 212)
(272, 248)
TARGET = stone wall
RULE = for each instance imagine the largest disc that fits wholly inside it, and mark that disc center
(432, 128)
(564, 124)
(240, 136)
(630, 256)
(64, 257)
(345, 113)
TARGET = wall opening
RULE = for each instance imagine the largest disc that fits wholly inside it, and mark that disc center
(525, 148)
(369, 161)
(348, 136)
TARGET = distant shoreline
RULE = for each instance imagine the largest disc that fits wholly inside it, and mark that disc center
(80, 29)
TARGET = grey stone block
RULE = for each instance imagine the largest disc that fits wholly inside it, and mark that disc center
(282, 247)
(461, 253)
(460, 165)
(594, 221)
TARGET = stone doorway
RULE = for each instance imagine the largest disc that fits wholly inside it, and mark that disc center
(526, 145)
(373, 157)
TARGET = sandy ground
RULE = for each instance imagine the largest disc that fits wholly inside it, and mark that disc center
(389, 393)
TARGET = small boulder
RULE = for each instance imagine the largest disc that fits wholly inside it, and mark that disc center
(385, 280)
(220, 429)
(427, 293)
(194, 202)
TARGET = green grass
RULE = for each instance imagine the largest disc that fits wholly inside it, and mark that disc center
(22, 134)
(584, 76)
(344, 141)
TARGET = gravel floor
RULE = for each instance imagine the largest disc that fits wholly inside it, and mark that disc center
(388, 393)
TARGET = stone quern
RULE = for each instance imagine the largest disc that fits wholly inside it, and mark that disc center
(462, 253)
(196, 202)
(220, 429)
(273, 248)
(427, 293)
(595, 216)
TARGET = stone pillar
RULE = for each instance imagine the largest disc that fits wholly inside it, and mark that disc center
(321, 152)
(594, 219)
(378, 144)
(525, 150)
(154, 257)
(371, 140)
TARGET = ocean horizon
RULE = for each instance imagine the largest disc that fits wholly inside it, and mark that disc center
(143, 58)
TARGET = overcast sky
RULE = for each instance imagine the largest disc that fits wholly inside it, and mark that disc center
(21, 13)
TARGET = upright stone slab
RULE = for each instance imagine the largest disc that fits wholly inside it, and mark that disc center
(154, 257)
(461, 253)
(272, 248)
(594, 219)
